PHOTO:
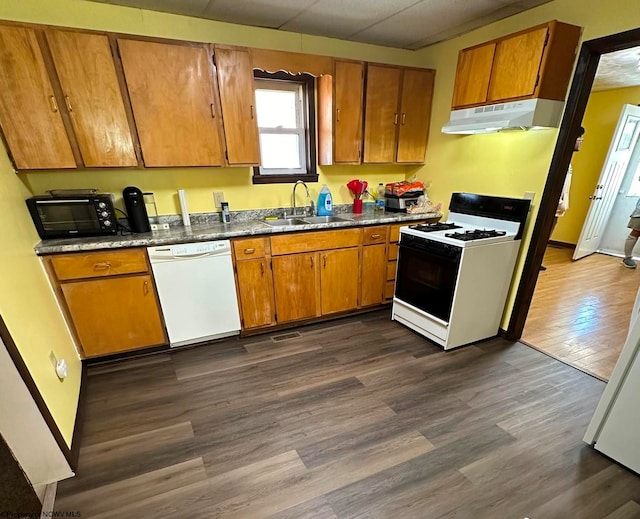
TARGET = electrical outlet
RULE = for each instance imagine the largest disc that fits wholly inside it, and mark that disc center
(159, 226)
(218, 198)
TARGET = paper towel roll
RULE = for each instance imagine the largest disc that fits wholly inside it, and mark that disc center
(183, 208)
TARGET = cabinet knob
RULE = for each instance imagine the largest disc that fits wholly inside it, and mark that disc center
(249, 250)
(68, 103)
(404, 117)
(145, 288)
(337, 115)
(213, 111)
(251, 111)
(375, 236)
(261, 268)
(105, 265)
(395, 119)
(324, 261)
(311, 261)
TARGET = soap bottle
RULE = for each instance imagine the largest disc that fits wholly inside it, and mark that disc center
(325, 206)
(380, 198)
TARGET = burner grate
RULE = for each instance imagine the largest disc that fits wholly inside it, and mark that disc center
(437, 226)
(475, 234)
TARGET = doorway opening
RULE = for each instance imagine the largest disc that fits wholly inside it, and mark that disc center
(615, 306)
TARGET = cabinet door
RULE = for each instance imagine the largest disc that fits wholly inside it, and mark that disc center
(349, 78)
(172, 96)
(472, 75)
(373, 274)
(255, 290)
(339, 280)
(114, 314)
(29, 114)
(235, 80)
(516, 65)
(415, 114)
(381, 114)
(295, 281)
(88, 77)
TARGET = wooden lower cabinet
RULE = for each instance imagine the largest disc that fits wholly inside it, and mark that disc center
(109, 299)
(295, 283)
(255, 291)
(339, 280)
(114, 314)
(373, 273)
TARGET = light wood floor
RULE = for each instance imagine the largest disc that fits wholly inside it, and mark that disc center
(357, 418)
(580, 309)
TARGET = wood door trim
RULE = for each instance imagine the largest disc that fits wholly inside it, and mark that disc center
(574, 111)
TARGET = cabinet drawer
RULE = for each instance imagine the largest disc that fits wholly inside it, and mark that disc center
(312, 241)
(391, 270)
(250, 248)
(389, 289)
(99, 264)
(393, 252)
(374, 235)
(394, 233)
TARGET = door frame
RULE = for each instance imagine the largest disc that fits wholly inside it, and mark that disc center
(579, 93)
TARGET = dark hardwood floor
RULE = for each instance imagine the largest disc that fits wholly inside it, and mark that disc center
(356, 418)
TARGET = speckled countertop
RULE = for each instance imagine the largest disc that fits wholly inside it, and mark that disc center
(207, 230)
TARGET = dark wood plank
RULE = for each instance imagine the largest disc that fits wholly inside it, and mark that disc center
(353, 418)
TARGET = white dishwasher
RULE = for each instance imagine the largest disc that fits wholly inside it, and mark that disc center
(197, 290)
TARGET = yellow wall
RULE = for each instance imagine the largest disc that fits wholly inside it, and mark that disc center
(29, 308)
(600, 119)
(506, 164)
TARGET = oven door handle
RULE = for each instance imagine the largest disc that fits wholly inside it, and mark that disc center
(453, 253)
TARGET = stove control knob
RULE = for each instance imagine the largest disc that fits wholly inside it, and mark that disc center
(104, 214)
(107, 223)
(102, 205)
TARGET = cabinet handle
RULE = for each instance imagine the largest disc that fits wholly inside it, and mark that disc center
(54, 105)
(251, 111)
(375, 236)
(595, 198)
(213, 111)
(337, 115)
(324, 261)
(404, 117)
(261, 268)
(395, 119)
(68, 103)
(105, 265)
(311, 261)
(250, 250)
(145, 288)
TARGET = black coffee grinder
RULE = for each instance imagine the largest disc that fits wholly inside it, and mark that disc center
(136, 210)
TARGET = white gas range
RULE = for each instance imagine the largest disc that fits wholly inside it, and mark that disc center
(453, 278)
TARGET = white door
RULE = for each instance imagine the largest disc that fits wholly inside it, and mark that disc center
(615, 166)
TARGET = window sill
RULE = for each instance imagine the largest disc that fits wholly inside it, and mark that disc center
(284, 179)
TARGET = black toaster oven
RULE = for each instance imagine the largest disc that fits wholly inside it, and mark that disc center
(73, 215)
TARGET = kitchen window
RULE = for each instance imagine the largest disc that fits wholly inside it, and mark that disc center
(286, 124)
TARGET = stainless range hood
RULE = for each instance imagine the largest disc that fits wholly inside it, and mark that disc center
(525, 115)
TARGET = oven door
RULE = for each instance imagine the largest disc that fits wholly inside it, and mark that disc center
(427, 274)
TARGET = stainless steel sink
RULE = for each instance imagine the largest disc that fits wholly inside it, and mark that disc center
(324, 219)
(282, 222)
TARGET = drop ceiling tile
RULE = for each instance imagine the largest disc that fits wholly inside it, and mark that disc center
(343, 18)
(424, 19)
(185, 7)
(261, 13)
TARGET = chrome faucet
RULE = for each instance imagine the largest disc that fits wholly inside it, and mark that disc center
(308, 210)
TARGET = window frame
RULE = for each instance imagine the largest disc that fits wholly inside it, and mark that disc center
(307, 83)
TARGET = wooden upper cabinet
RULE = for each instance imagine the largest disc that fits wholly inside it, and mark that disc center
(381, 113)
(521, 53)
(473, 74)
(533, 63)
(235, 80)
(174, 103)
(415, 114)
(92, 96)
(29, 112)
(349, 84)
